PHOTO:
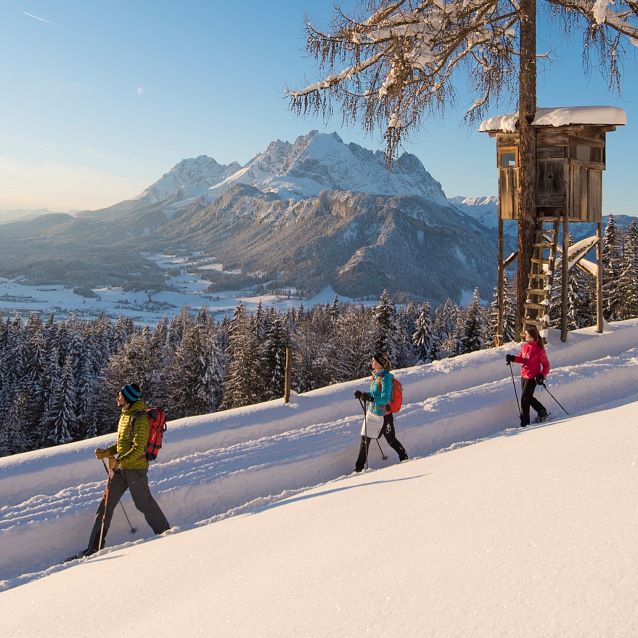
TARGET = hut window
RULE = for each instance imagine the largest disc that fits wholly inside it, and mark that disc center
(508, 160)
(586, 153)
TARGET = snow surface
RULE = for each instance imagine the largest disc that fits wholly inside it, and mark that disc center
(525, 533)
(561, 116)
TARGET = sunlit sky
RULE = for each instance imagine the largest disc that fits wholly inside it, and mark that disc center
(101, 98)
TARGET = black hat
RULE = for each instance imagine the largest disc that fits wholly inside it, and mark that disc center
(131, 392)
(383, 360)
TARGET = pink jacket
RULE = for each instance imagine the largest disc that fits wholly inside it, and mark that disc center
(534, 360)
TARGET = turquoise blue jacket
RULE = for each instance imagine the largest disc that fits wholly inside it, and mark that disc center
(381, 391)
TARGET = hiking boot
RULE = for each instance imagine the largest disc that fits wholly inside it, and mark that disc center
(542, 416)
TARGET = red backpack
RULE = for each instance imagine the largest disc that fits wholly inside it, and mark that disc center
(397, 396)
(157, 422)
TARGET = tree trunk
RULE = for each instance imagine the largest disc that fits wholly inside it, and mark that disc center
(527, 153)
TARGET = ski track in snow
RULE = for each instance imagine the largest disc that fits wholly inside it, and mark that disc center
(238, 461)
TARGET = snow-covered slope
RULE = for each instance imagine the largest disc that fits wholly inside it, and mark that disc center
(319, 161)
(528, 533)
(525, 535)
(216, 465)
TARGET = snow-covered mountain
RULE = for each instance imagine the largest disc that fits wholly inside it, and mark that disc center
(483, 209)
(189, 178)
(317, 162)
(358, 243)
(313, 213)
(490, 530)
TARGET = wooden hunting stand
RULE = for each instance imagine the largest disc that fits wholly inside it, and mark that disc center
(570, 159)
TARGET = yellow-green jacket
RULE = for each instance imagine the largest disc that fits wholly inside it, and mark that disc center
(131, 442)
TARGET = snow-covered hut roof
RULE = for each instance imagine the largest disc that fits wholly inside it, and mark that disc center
(561, 116)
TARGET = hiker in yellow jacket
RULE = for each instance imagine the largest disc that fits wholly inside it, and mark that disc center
(128, 466)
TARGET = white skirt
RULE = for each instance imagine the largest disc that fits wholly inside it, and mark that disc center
(373, 427)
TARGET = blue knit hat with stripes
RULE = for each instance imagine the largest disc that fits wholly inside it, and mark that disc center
(131, 392)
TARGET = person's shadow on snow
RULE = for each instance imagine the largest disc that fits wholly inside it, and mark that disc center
(305, 497)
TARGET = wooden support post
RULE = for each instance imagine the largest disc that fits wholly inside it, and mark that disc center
(287, 376)
(565, 281)
(599, 278)
(500, 294)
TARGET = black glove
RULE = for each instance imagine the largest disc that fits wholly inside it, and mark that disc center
(366, 396)
(540, 379)
(509, 358)
(357, 394)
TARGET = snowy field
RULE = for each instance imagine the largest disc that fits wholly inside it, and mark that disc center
(190, 291)
(504, 532)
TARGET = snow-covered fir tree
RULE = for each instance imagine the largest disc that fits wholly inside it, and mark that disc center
(384, 317)
(628, 279)
(472, 334)
(612, 264)
(241, 381)
(61, 414)
(423, 336)
(581, 305)
(445, 328)
(509, 312)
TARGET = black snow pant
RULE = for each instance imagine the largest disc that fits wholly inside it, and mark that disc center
(527, 400)
(388, 432)
(137, 482)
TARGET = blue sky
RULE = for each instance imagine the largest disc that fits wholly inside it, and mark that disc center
(102, 98)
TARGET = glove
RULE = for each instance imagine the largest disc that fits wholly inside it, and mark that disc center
(509, 358)
(102, 453)
(114, 464)
(366, 396)
(540, 379)
(358, 394)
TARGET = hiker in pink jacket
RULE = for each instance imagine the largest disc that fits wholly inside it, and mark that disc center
(533, 372)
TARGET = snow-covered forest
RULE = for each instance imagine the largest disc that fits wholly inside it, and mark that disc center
(59, 378)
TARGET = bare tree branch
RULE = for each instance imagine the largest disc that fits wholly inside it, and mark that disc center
(399, 63)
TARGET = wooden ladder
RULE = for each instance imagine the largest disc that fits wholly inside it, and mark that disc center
(539, 289)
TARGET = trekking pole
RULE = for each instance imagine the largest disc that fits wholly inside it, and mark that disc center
(514, 384)
(365, 428)
(383, 456)
(133, 530)
(106, 504)
(555, 399)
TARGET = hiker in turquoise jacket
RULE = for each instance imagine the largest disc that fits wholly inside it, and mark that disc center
(379, 420)
(128, 469)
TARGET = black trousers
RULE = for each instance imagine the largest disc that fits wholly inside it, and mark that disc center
(388, 432)
(527, 399)
(137, 482)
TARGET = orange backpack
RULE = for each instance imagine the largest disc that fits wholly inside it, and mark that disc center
(397, 396)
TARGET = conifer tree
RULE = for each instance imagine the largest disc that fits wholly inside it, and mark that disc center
(628, 280)
(445, 328)
(273, 360)
(423, 336)
(240, 383)
(384, 316)
(405, 327)
(612, 262)
(357, 343)
(471, 336)
(195, 385)
(61, 414)
(581, 310)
